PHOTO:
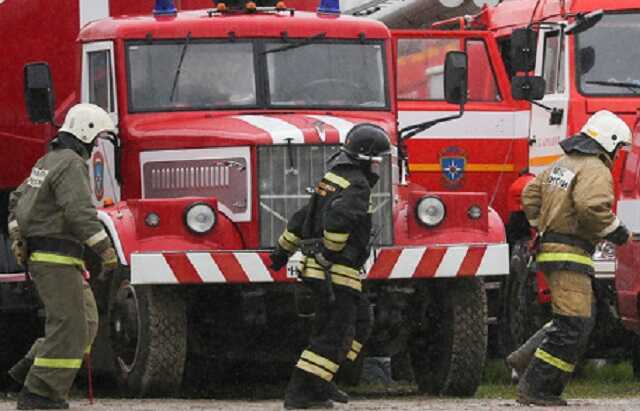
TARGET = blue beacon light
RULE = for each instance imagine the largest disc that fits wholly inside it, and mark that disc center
(164, 7)
(329, 6)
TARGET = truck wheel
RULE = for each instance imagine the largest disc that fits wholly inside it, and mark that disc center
(521, 314)
(149, 339)
(448, 352)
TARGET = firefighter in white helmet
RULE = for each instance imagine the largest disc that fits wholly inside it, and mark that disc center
(51, 221)
(570, 206)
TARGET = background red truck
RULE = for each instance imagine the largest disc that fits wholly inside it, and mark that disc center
(583, 51)
(225, 118)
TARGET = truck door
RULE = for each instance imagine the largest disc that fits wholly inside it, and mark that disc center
(485, 149)
(549, 128)
(98, 87)
(628, 256)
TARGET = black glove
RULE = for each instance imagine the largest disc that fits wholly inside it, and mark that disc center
(619, 236)
(278, 258)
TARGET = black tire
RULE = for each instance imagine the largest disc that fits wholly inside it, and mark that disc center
(521, 314)
(448, 354)
(148, 338)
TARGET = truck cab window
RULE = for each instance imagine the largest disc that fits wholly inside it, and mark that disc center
(100, 85)
(553, 63)
(421, 69)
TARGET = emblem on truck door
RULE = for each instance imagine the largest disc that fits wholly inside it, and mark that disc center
(452, 163)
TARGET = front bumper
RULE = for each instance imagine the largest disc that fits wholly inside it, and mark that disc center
(385, 263)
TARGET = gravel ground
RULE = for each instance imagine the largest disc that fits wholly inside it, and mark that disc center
(408, 404)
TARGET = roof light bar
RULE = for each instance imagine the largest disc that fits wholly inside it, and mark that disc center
(164, 7)
(329, 7)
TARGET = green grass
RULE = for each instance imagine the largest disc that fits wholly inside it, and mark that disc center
(591, 381)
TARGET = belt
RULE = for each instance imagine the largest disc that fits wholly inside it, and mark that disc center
(55, 245)
(569, 240)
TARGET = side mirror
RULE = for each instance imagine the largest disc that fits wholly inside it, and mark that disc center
(455, 77)
(523, 49)
(584, 22)
(527, 87)
(38, 92)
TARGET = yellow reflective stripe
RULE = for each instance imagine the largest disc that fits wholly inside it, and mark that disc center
(555, 361)
(41, 257)
(286, 244)
(311, 262)
(58, 362)
(352, 355)
(356, 346)
(333, 246)
(96, 238)
(336, 278)
(315, 370)
(344, 270)
(313, 273)
(13, 225)
(290, 237)
(337, 180)
(560, 257)
(319, 360)
(336, 237)
(347, 282)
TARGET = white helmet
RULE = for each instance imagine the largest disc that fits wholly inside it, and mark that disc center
(85, 121)
(608, 130)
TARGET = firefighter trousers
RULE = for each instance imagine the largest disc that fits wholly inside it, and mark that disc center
(19, 371)
(58, 356)
(573, 319)
(332, 340)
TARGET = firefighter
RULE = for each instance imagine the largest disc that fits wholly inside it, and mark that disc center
(51, 220)
(333, 231)
(570, 206)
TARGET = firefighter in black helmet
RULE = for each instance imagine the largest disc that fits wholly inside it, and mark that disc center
(333, 231)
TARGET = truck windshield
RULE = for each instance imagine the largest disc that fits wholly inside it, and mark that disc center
(608, 57)
(207, 75)
(326, 74)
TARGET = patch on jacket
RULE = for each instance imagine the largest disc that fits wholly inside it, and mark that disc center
(560, 177)
(37, 177)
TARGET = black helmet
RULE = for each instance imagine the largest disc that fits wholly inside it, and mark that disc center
(367, 142)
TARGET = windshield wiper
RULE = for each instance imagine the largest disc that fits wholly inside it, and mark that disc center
(301, 43)
(175, 77)
(634, 87)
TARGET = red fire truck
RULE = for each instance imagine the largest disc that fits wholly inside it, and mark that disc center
(583, 51)
(226, 117)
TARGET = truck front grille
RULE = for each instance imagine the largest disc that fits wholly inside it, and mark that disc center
(287, 175)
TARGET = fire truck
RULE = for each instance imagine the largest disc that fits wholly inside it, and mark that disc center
(226, 116)
(564, 61)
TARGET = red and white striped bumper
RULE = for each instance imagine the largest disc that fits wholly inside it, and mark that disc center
(388, 263)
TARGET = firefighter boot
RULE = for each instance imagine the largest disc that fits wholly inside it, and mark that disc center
(18, 374)
(541, 385)
(519, 359)
(30, 401)
(336, 394)
(306, 392)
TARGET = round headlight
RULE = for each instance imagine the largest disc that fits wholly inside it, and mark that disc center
(200, 218)
(430, 211)
(474, 212)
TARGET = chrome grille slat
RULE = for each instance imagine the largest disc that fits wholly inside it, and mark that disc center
(282, 191)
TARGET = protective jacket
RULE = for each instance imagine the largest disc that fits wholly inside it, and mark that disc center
(53, 207)
(570, 205)
(338, 216)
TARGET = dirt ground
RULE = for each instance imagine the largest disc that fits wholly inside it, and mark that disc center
(408, 404)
